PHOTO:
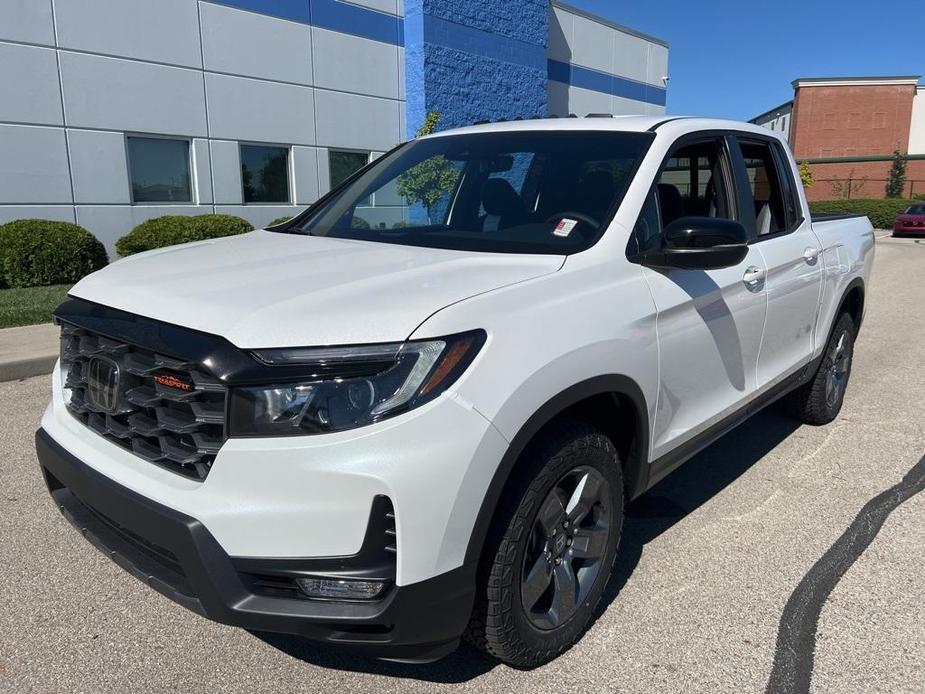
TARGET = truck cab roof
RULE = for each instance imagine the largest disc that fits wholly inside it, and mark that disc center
(605, 122)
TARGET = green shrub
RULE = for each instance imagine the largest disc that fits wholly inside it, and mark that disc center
(882, 213)
(41, 252)
(280, 220)
(173, 229)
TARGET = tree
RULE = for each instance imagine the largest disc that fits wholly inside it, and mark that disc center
(806, 174)
(897, 181)
(847, 188)
(427, 182)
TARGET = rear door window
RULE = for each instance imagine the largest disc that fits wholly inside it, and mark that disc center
(772, 214)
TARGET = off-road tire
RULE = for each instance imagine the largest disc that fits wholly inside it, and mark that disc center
(809, 403)
(499, 624)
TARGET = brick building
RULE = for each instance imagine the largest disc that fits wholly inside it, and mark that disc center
(847, 129)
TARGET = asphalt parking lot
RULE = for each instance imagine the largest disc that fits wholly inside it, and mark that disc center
(725, 566)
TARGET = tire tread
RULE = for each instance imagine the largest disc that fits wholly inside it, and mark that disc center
(493, 628)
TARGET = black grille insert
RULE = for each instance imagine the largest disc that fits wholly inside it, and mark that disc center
(167, 411)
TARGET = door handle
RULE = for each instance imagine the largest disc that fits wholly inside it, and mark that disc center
(810, 254)
(753, 275)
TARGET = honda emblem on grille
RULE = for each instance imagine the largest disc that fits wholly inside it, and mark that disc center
(103, 384)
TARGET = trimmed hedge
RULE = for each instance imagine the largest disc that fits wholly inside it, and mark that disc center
(280, 220)
(170, 230)
(882, 213)
(41, 252)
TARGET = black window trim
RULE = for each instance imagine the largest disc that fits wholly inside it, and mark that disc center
(126, 136)
(731, 173)
(290, 177)
(782, 168)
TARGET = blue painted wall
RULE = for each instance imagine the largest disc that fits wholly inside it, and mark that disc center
(474, 60)
(598, 81)
(330, 14)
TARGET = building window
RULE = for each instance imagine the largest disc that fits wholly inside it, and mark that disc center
(265, 173)
(159, 169)
(342, 165)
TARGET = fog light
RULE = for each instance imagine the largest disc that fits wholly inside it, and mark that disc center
(340, 589)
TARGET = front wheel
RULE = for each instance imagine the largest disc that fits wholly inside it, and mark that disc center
(554, 548)
(820, 400)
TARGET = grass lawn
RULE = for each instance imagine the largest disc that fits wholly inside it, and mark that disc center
(31, 305)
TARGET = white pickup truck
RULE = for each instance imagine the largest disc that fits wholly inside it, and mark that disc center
(417, 411)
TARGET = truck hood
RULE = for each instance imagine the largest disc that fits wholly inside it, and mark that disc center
(270, 289)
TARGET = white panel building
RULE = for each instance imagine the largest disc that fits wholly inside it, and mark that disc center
(116, 111)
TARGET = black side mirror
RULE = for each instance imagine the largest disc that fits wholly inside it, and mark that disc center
(699, 243)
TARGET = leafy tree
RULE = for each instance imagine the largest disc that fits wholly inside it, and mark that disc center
(806, 174)
(897, 181)
(427, 182)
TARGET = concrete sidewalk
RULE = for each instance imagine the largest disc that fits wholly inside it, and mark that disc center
(27, 351)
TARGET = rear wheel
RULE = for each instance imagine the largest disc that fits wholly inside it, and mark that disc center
(554, 548)
(820, 400)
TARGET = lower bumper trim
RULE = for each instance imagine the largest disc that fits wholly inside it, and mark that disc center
(178, 557)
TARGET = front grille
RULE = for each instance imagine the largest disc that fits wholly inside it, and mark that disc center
(157, 420)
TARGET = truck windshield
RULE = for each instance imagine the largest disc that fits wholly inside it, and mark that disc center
(513, 192)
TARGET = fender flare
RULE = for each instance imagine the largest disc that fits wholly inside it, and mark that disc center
(856, 283)
(636, 467)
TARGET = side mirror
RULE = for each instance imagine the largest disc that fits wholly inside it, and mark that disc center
(699, 243)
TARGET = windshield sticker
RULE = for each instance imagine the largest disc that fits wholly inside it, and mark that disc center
(565, 226)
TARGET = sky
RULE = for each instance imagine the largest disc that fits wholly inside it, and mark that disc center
(737, 58)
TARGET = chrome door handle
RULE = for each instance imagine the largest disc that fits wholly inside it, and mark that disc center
(810, 254)
(753, 275)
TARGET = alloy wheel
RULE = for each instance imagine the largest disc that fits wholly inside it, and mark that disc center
(566, 548)
(837, 377)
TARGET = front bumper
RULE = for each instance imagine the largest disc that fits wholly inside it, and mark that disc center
(177, 556)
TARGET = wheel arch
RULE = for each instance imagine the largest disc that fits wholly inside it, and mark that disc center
(852, 302)
(591, 400)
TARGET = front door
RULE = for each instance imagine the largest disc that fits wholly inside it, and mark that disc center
(709, 322)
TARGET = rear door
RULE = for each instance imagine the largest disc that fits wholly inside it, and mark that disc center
(790, 252)
(709, 321)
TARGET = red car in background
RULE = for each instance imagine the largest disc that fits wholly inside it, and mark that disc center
(912, 221)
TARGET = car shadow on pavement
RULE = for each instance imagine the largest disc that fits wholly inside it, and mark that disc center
(693, 484)
(682, 492)
(465, 664)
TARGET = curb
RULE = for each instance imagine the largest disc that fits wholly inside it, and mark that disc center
(28, 350)
(18, 369)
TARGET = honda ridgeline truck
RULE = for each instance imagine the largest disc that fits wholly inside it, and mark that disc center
(417, 411)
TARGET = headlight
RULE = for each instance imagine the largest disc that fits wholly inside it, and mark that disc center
(349, 387)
